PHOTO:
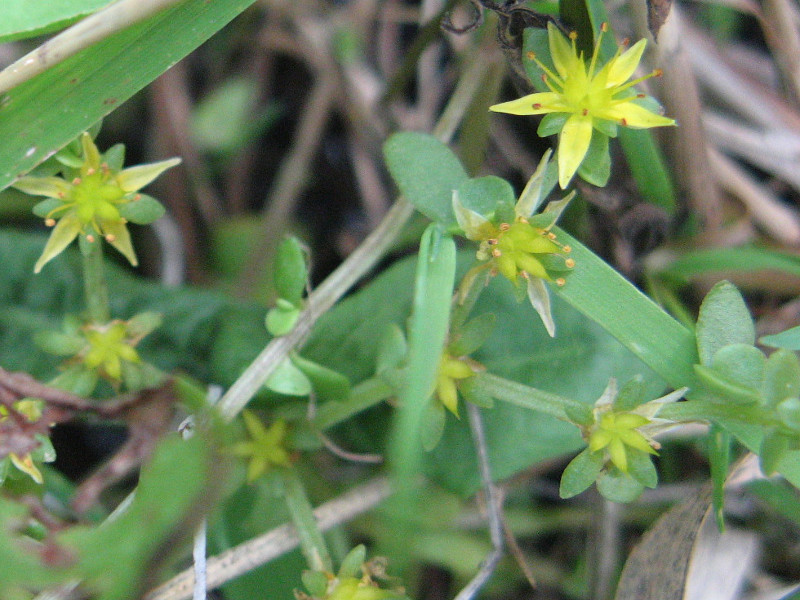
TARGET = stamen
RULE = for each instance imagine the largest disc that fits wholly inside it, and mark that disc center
(551, 235)
(90, 171)
(110, 238)
(504, 226)
(561, 282)
(573, 35)
(624, 121)
(525, 274)
(604, 26)
(658, 73)
(76, 181)
(566, 249)
(640, 96)
(570, 263)
(496, 253)
(585, 112)
(537, 106)
(90, 238)
(50, 222)
(530, 56)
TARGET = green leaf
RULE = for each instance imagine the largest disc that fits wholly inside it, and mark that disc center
(724, 387)
(630, 395)
(427, 172)
(472, 335)
(351, 564)
(281, 319)
(45, 113)
(789, 413)
(392, 349)
(723, 320)
(641, 468)
(741, 363)
(25, 19)
(433, 425)
(288, 379)
(316, 582)
(224, 121)
(482, 194)
(143, 210)
(291, 270)
(774, 447)
(327, 383)
(788, 340)
(744, 259)
(618, 487)
(605, 297)
(596, 166)
(580, 473)
(117, 571)
(433, 290)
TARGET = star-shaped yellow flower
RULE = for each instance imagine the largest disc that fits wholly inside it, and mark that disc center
(588, 95)
(265, 448)
(95, 198)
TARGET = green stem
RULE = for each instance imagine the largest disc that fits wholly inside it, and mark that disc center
(525, 396)
(94, 283)
(363, 396)
(312, 544)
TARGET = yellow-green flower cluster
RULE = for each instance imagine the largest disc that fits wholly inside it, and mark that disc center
(452, 370)
(95, 198)
(589, 96)
(356, 580)
(266, 447)
(523, 247)
(32, 411)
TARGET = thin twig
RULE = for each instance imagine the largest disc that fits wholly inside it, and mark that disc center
(102, 24)
(489, 564)
(251, 554)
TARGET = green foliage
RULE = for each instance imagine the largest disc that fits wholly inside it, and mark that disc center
(40, 116)
(23, 19)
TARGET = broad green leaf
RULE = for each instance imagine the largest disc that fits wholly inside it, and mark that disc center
(642, 469)
(723, 320)
(24, 19)
(291, 271)
(288, 379)
(789, 339)
(327, 383)
(41, 115)
(142, 211)
(580, 473)
(618, 487)
(741, 363)
(596, 165)
(427, 172)
(482, 194)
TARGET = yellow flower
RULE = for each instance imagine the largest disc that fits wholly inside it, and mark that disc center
(266, 447)
(592, 98)
(451, 370)
(109, 345)
(96, 199)
(524, 248)
(32, 411)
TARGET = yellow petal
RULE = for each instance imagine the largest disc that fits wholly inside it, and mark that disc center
(633, 115)
(616, 449)
(447, 394)
(90, 152)
(120, 239)
(51, 187)
(25, 464)
(622, 67)
(572, 146)
(532, 104)
(531, 196)
(63, 233)
(564, 57)
(135, 178)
